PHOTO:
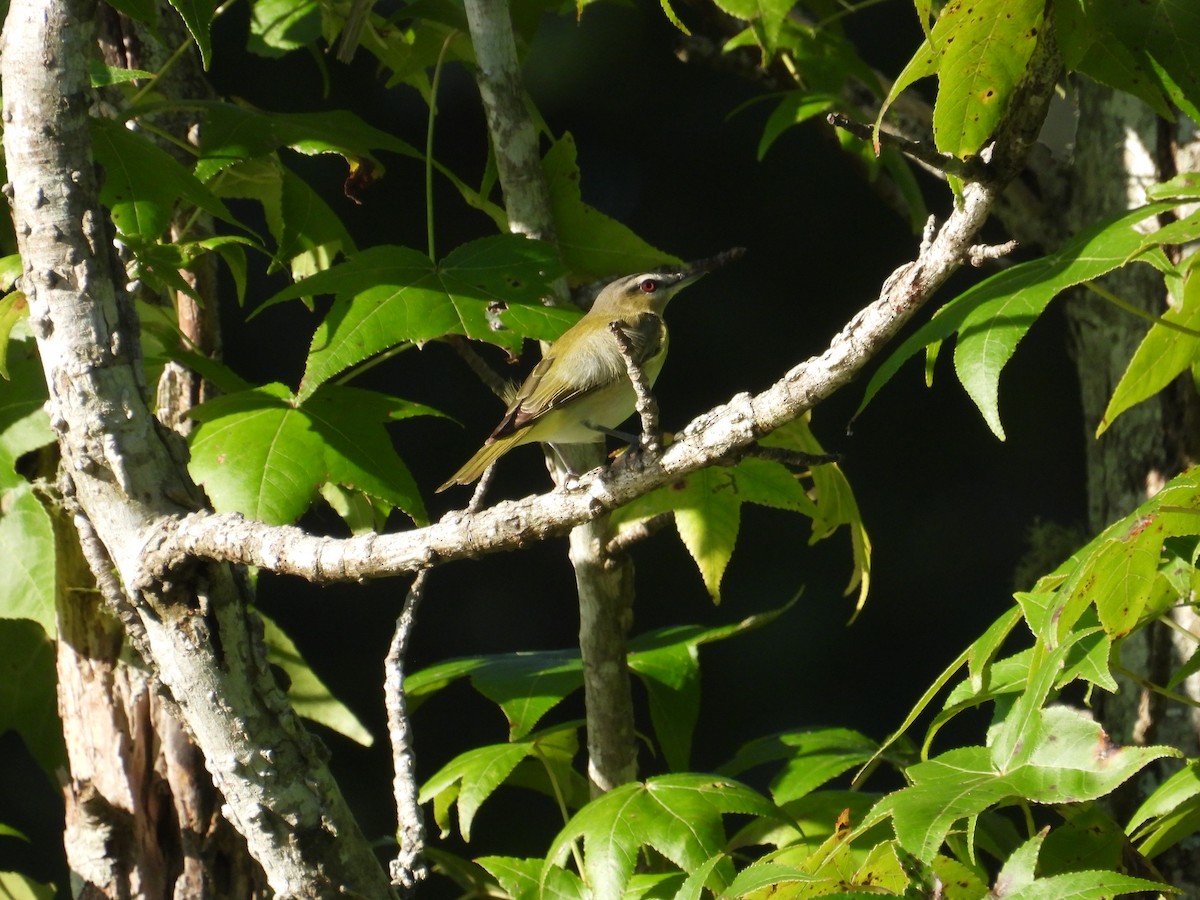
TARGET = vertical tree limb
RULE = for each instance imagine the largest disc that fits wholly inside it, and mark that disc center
(125, 474)
(605, 590)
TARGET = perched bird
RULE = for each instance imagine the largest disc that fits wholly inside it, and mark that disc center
(581, 390)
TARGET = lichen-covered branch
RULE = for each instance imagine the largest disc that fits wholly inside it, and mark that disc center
(123, 472)
(605, 591)
(718, 435)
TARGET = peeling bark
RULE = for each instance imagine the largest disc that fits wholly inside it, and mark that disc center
(124, 473)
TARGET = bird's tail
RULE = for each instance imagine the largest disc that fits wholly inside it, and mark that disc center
(484, 457)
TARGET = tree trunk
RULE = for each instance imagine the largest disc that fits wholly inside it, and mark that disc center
(123, 476)
(1121, 148)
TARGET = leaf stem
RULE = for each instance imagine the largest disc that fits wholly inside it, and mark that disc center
(1128, 307)
(374, 361)
(433, 92)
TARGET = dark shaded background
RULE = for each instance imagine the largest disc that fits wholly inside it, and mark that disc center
(948, 507)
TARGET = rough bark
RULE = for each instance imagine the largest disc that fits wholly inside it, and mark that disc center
(604, 586)
(124, 473)
(1121, 148)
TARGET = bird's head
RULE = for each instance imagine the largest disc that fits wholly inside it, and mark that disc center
(650, 291)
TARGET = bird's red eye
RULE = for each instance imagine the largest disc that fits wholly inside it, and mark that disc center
(649, 286)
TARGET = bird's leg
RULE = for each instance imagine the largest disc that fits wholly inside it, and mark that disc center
(647, 407)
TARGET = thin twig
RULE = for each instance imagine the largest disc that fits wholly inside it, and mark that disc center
(980, 254)
(408, 869)
(647, 406)
(632, 534)
(969, 170)
(495, 382)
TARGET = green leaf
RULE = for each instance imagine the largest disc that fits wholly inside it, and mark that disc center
(28, 692)
(519, 879)
(103, 76)
(768, 15)
(24, 424)
(1085, 885)
(811, 758)
(707, 509)
(309, 695)
(233, 134)
(1170, 814)
(677, 815)
(280, 26)
(1161, 35)
(15, 886)
(524, 685)
(27, 543)
(1172, 512)
(197, 15)
(763, 875)
(262, 454)
(835, 504)
(528, 685)
(490, 289)
(1163, 354)
(671, 676)
(668, 663)
(1070, 759)
(13, 308)
(142, 10)
(1088, 46)
(592, 245)
(1018, 870)
(473, 776)
(308, 233)
(984, 50)
(794, 108)
(992, 316)
(143, 184)
(707, 517)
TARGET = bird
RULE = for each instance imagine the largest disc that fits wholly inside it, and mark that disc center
(580, 390)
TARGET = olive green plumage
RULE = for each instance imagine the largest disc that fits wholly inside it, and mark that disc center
(581, 387)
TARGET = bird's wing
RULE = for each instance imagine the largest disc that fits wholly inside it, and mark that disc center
(539, 394)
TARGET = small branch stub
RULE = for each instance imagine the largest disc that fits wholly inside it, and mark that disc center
(647, 406)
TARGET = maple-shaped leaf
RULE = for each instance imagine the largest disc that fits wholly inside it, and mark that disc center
(471, 777)
(1066, 758)
(680, 816)
(262, 453)
(491, 290)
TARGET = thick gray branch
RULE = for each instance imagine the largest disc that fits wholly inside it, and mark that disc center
(718, 435)
(124, 473)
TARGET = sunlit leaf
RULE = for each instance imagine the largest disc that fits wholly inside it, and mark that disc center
(280, 26)
(1163, 354)
(263, 454)
(15, 886)
(1070, 760)
(490, 289)
(992, 316)
(680, 816)
(197, 16)
(143, 183)
(471, 777)
(27, 543)
(810, 758)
